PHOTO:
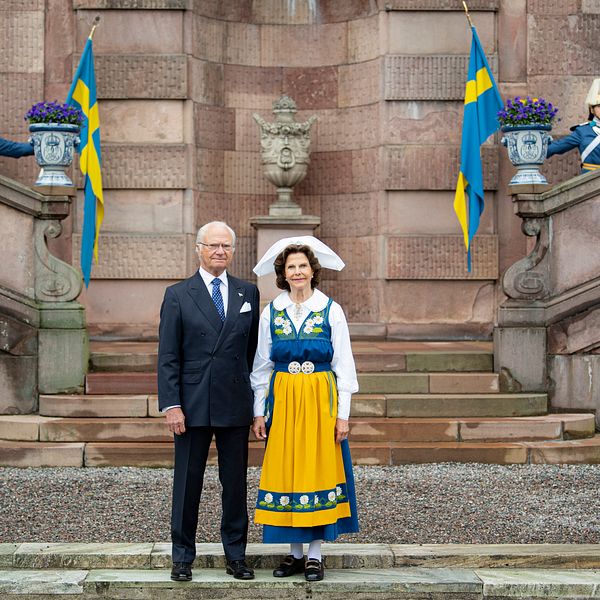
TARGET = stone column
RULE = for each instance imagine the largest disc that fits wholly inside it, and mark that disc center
(520, 337)
(63, 346)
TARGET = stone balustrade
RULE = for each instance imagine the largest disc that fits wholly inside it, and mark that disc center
(43, 339)
(548, 333)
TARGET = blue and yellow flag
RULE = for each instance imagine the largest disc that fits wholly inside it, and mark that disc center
(482, 103)
(83, 95)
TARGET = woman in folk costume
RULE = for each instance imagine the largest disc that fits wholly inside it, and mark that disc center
(585, 136)
(303, 378)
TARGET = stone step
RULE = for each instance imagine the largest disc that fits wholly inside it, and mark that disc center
(128, 382)
(374, 429)
(428, 383)
(40, 454)
(409, 583)
(370, 356)
(142, 405)
(157, 555)
(97, 405)
(160, 454)
(110, 383)
(466, 405)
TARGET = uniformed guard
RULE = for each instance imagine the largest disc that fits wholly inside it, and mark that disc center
(585, 136)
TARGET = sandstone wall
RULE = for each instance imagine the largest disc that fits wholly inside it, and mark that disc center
(178, 81)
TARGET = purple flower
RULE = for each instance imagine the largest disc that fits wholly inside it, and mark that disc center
(527, 111)
(53, 112)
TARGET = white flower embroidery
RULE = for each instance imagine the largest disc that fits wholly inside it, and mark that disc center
(287, 328)
(284, 500)
(331, 496)
(338, 490)
(310, 322)
(316, 499)
(304, 499)
(268, 498)
(308, 328)
(279, 320)
(318, 319)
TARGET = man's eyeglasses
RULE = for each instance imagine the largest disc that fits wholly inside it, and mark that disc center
(215, 247)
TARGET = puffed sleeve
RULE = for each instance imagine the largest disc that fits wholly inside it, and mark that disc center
(263, 365)
(342, 363)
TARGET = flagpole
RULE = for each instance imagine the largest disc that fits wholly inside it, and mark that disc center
(97, 22)
(467, 13)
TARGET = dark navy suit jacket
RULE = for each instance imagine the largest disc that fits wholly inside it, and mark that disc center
(204, 364)
(15, 149)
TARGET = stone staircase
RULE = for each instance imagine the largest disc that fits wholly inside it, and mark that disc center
(473, 572)
(418, 402)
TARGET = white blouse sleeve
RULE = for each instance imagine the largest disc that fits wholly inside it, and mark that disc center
(342, 363)
(263, 365)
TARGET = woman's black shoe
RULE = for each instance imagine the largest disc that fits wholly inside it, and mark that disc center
(289, 566)
(313, 570)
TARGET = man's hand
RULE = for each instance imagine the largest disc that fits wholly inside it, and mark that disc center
(341, 430)
(175, 420)
(259, 428)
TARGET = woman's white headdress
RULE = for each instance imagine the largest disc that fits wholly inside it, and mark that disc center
(326, 256)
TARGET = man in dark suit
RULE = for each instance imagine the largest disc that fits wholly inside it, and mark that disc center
(207, 340)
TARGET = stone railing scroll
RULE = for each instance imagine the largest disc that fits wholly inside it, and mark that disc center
(548, 333)
(43, 337)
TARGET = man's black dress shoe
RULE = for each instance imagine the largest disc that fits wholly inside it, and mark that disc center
(181, 571)
(239, 569)
(313, 570)
(289, 566)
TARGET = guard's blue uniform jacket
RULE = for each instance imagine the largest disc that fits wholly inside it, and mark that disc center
(15, 149)
(586, 137)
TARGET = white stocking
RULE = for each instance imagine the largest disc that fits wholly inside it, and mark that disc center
(296, 550)
(314, 549)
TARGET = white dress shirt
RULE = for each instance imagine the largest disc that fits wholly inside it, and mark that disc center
(342, 363)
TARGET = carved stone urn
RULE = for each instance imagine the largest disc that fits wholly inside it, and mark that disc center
(527, 146)
(285, 150)
(53, 146)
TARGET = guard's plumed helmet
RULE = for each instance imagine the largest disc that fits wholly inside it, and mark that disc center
(593, 97)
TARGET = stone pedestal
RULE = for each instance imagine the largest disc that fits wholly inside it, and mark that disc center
(270, 229)
(521, 353)
(63, 348)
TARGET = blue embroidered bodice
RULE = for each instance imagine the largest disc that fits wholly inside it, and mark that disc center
(312, 342)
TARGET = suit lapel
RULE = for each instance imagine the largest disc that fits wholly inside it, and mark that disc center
(197, 290)
(235, 298)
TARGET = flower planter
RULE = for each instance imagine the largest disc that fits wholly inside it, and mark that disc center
(53, 145)
(527, 146)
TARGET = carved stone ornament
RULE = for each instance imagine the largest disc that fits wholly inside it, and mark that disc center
(55, 280)
(527, 279)
(285, 151)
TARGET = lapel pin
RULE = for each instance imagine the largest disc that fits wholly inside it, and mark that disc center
(240, 294)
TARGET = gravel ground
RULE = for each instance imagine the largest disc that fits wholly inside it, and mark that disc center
(442, 503)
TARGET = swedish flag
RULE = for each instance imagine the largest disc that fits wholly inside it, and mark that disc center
(482, 103)
(83, 95)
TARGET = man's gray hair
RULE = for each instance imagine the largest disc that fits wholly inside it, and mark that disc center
(201, 235)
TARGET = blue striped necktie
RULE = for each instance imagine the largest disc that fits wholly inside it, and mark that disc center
(218, 298)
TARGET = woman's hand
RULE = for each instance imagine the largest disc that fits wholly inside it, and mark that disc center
(341, 430)
(259, 428)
